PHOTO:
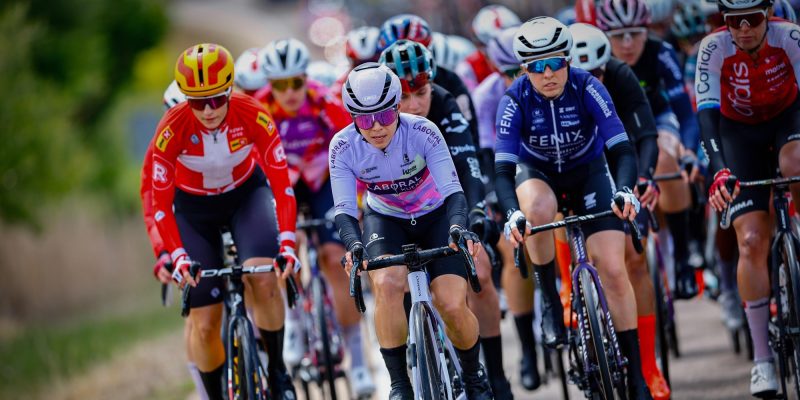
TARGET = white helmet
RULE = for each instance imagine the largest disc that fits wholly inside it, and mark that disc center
(362, 44)
(370, 88)
(325, 72)
(660, 10)
(449, 50)
(173, 95)
(490, 20)
(284, 58)
(734, 5)
(248, 73)
(541, 36)
(591, 49)
(501, 50)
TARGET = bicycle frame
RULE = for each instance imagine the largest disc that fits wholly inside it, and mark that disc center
(575, 235)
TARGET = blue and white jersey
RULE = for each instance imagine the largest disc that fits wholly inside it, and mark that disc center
(559, 134)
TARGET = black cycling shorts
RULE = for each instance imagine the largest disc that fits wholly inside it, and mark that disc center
(586, 189)
(751, 153)
(319, 203)
(387, 235)
(247, 211)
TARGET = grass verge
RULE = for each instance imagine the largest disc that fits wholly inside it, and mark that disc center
(40, 354)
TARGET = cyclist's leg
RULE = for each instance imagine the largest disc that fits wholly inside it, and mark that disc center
(203, 243)
(254, 228)
(519, 296)
(385, 236)
(486, 307)
(674, 202)
(190, 364)
(538, 202)
(605, 242)
(789, 161)
(449, 289)
(747, 152)
(638, 273)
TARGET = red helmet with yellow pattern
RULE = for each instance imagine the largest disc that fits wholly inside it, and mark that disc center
(204, 70)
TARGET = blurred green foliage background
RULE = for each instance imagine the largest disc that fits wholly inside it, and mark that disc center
(66, 68)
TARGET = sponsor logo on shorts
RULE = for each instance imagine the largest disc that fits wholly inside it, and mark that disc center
(374, 238)
(741, 206)
(590, 201)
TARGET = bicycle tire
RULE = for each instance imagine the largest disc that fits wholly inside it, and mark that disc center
(662, 313)
(789, 255)
(604, 380)
(318, 296)
(242, 353)
(562, 373)
(430, 384)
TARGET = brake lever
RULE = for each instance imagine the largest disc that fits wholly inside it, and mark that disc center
(355, 280)
(725, 218)
(471, 271)
(166, 288)
(292, 294)
(519, 254)
(193, 269)
(636, 235)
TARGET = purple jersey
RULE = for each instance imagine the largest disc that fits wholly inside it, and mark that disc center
(411, 177)
(486, 98)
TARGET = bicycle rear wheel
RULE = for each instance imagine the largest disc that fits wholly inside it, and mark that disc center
(603, 377)
(327, 362)
(426, 356)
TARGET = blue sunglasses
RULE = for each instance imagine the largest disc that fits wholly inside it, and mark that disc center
(555, 64)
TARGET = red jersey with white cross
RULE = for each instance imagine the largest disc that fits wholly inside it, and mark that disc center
(206, 163)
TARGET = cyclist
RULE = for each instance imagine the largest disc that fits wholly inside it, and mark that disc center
(413, 63)
(413, 195)
(361, 45)
(487, 95)
(747, 99)
(688, 28)
(412, 27)
(592, 52)
(552, 126)
(307, 117)
(249, 75)
(204, 160)
(656, 66)
(488, 22)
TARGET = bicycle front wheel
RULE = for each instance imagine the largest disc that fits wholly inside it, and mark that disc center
(792, 327)
(662, 312)
(244, 381)
(428, 383)
(596, 343)
(327, 363)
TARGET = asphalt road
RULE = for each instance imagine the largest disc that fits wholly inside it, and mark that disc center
(708, 368)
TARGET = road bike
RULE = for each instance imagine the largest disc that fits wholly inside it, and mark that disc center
(596, 364)
(784, 278)
(246, 378)
(436, 372)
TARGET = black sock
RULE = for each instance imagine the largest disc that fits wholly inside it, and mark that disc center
(493, 357)
(407, 304)
(212, 381)
(395, 360)
(546, 279)
(470, 359)
(524, 325)
(629, 346)
(678, 224)
(273, 340)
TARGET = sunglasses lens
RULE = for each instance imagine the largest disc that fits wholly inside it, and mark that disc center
(555, 64)
(384, 118)
(283, 84)
(415, 84)
(512, 73)
(214, 102)
(752, 20)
